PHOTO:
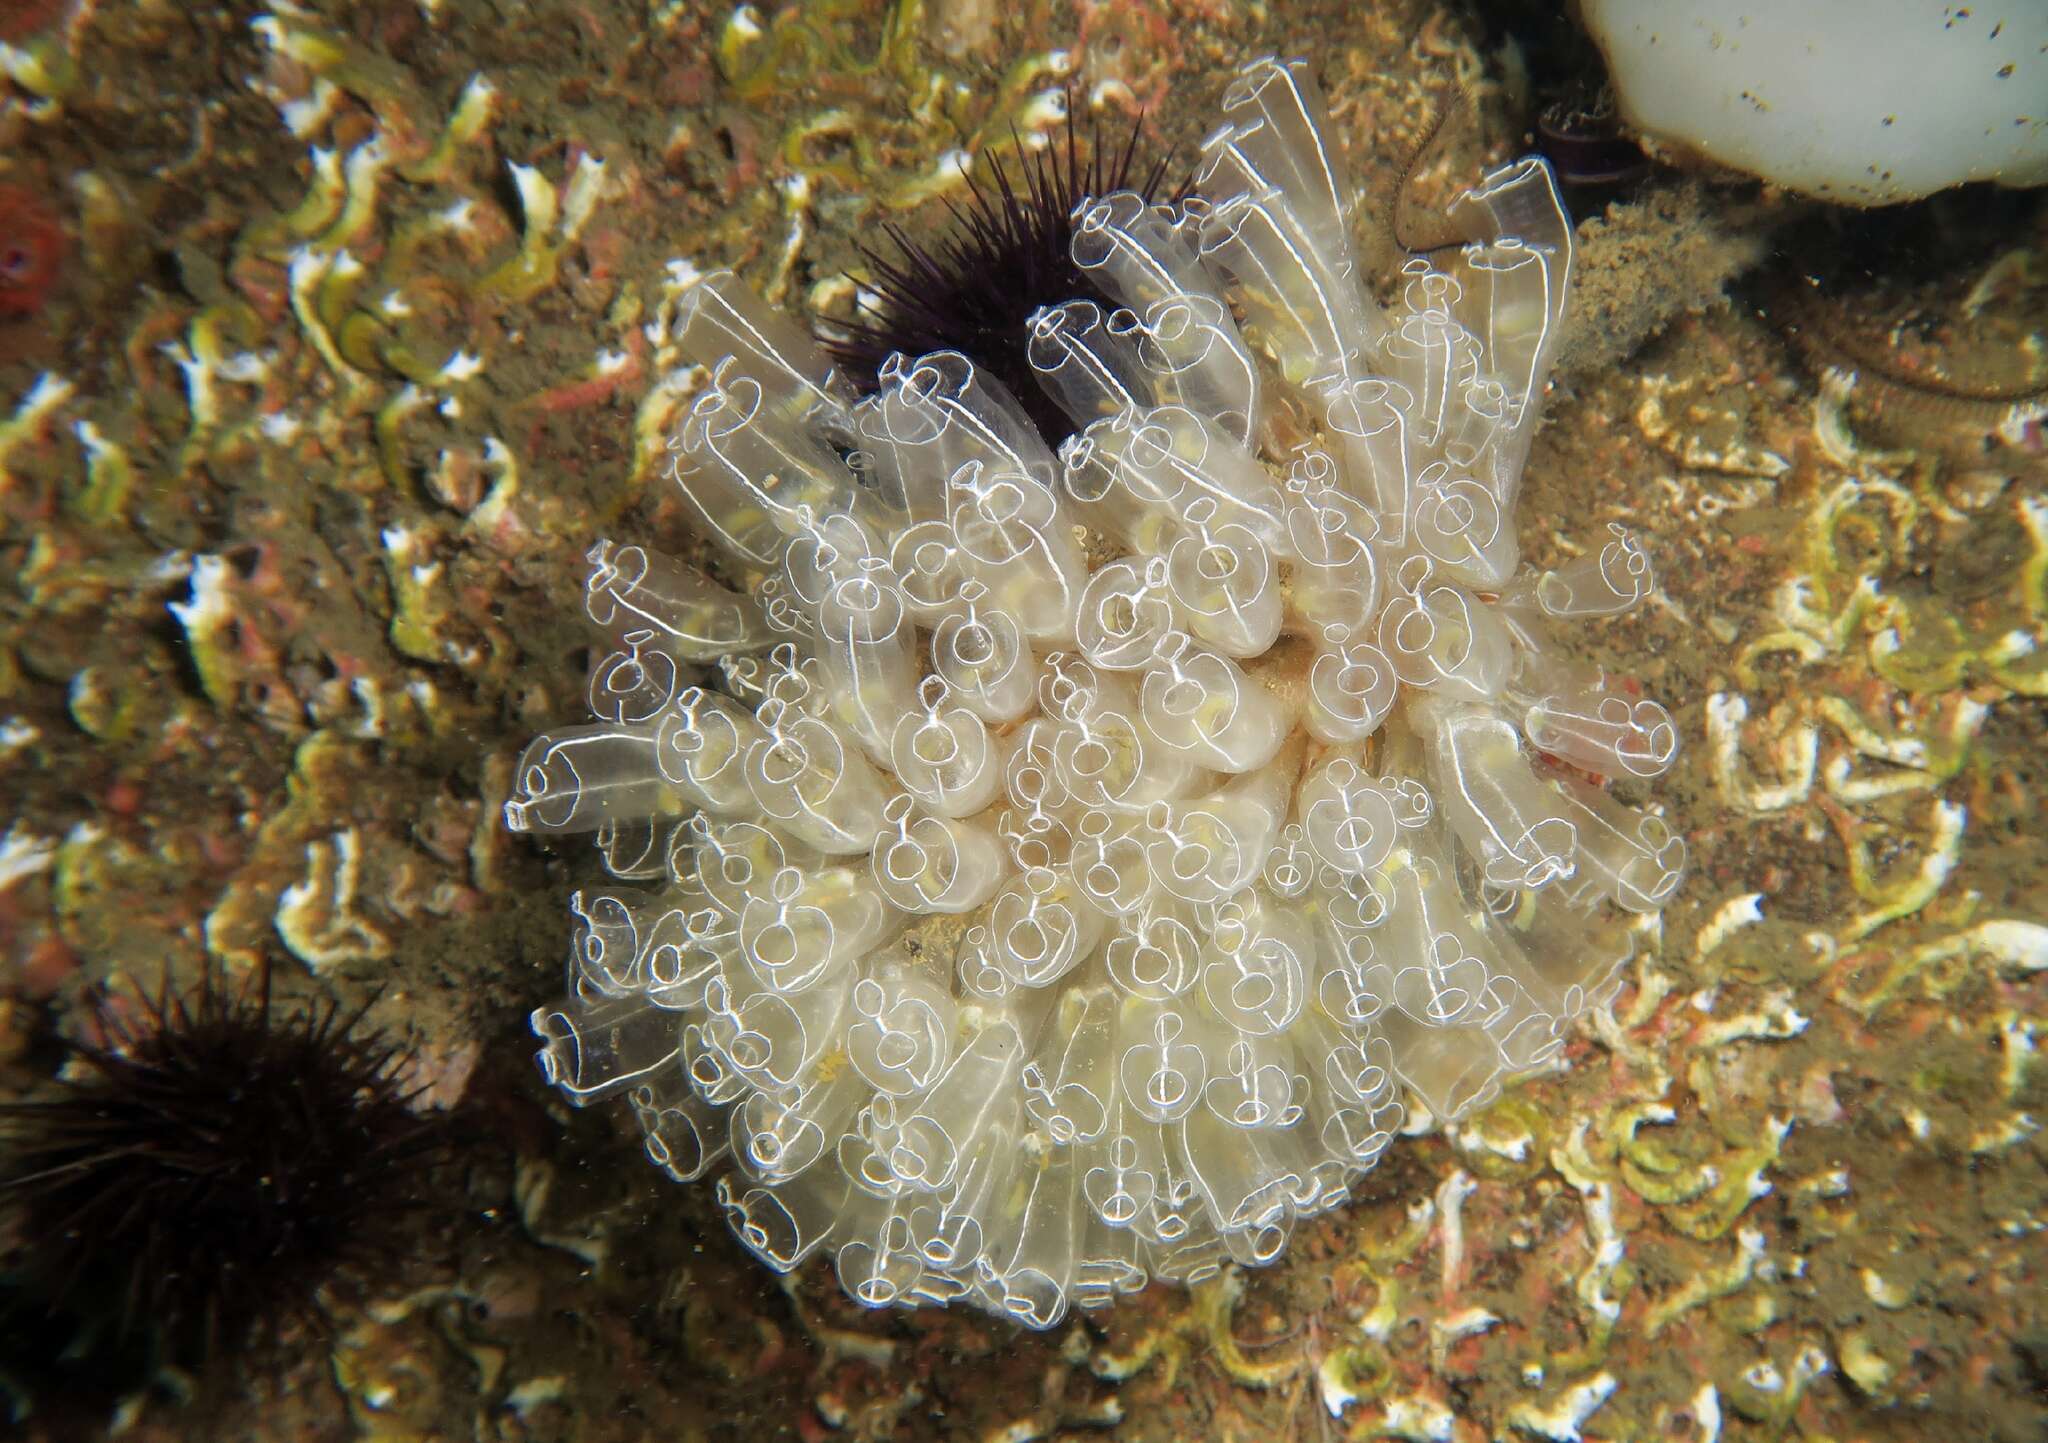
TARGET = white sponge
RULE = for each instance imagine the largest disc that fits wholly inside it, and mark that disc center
(1866, 102)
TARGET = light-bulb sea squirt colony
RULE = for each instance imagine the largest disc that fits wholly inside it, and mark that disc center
(1081, 863)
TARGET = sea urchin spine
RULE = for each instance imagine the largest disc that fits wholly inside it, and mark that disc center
(202, 1170)
(973, 289)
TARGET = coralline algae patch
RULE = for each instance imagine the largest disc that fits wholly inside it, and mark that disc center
(31, 252)
(1790, 1189)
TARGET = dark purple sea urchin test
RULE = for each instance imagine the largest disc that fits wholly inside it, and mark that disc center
(204, 1168)
(973, 288)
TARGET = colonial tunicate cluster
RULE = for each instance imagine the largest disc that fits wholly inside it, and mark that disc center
(1061, 870)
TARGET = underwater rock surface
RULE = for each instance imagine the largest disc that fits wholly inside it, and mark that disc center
(321, 370)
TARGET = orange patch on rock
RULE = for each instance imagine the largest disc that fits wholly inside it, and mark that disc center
(31, 251)
(20, 19)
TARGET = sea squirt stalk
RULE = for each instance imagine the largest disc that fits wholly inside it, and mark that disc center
(1031, 919)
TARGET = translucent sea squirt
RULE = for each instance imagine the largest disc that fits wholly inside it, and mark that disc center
(1020, 920)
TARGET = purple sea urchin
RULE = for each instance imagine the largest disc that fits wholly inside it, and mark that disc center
(203, 1170)
(973, 289)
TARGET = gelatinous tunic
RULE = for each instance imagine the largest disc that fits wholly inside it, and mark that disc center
(1077, 866)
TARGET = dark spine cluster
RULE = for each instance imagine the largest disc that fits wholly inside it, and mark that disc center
(207, 1164)
(1009, 252)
